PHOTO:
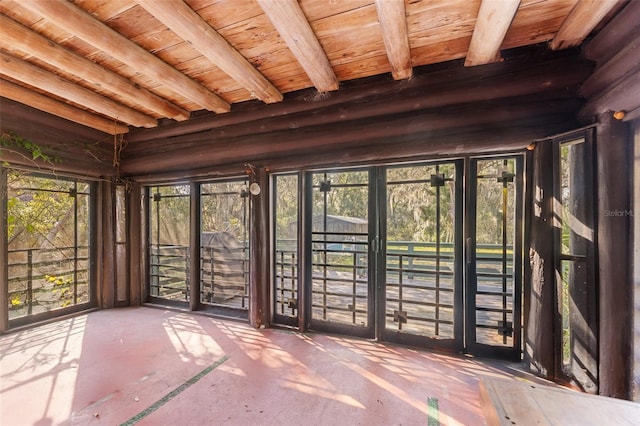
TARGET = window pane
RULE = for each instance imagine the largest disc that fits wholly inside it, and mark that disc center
(285, 199)
(169, 242)
(224, 240)
(48, 243)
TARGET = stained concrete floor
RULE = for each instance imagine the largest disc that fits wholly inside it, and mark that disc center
(159, 367)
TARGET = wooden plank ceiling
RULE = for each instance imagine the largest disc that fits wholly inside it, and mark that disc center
(112, 64)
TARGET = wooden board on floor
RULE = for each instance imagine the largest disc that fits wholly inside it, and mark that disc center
(522, 403)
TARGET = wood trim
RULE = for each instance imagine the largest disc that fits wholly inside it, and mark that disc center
(624, 62)
(259, 266)
(623, 96)
(4, 254)
(395, 34)
(615, 279)
(78, 23)
(617, 33)
(582, 19)
(17, 36)
(37, 77)
(189, 26)
(60, 109)
(137, 265)
(292, 25)
(493, 22)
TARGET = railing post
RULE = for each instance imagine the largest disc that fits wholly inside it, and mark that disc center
(411, 250)
(29, 281)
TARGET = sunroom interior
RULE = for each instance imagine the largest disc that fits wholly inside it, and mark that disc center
(408, 180)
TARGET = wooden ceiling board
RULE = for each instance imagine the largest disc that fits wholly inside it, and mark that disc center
(348, 31)
(440, 22)
(443, 51)
(224, 13)
(528, 27)
(362, 68)
(105, 10)
(315, 10)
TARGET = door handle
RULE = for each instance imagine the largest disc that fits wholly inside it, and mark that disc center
(470, 252)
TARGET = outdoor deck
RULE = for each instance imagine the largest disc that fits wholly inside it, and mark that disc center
(159, 366)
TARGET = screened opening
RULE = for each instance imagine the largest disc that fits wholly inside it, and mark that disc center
(420, 253)
(224, 244)
(48, 241)
(495, 254)
(285, 231)
(169, 242)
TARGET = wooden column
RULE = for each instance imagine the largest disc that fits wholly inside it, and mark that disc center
(4, 255)
(259, 252)
(636, 263)
(194, 247)
(539, 312)
(614, 151)
(134, 241)
(106, 248)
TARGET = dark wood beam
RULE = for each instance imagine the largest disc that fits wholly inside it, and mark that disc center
(81, 150)
(623, 27)
(260, 252)
(614, 256)
(624, 95)
(623, 63)
(200, 152)
(535, 72)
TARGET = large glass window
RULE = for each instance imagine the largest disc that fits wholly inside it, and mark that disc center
(48, 241)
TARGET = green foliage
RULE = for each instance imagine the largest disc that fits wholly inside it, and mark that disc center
(39, 210)
(15, 301)
(63, 287)
(12, 142)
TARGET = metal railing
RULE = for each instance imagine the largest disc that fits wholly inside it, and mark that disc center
(41, 280)
(224, 274)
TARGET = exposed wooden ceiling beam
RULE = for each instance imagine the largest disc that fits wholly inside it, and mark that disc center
(37, 77)
(393, 24)
(189, 26)
(44, 103)
(77, 22)
(292, 25)
(493, 22)
(584, 17)
(15, 35)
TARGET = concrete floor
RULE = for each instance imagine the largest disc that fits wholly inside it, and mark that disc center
(162, 367)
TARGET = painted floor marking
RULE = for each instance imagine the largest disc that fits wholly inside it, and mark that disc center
(177, 391)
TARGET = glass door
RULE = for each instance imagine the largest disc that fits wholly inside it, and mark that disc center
(422, 276)
(494, 256)
(340, 286)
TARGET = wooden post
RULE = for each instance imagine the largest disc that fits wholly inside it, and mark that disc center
(194, 248)
(259, 252)
(540, 330)
(4, 255)
(106, 212)
(614, 149)
(137, 264)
